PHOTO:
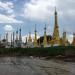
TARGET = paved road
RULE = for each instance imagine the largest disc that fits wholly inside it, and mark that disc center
(34, 66)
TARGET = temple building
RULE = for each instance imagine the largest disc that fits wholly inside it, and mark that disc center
(42, 41)
(55, 39)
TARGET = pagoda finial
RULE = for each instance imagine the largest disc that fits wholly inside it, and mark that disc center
(20, 37)
(17, 31)
(17, 34)
(20, 28)
(45, 27)
(55, 11)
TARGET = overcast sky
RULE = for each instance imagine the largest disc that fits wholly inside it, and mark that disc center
(27, 13)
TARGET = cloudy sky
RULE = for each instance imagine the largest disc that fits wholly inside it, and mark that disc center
(27, 13)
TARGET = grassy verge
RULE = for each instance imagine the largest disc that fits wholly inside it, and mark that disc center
(50, 51)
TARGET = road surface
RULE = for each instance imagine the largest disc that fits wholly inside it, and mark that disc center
(34, 66)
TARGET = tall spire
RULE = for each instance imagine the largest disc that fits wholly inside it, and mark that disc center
(7, 37)
(26, 40)
(55, 11)
(56, 30)
(20, 38)
(35, 39)
(30, 39)
(73, 42)
(45, 38)
(17, 34)
(56, 22)
(13, 39)
(0, 37)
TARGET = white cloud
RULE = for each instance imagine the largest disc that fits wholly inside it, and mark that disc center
(43, 9)
(7, 6)
(9, 19)
(66, 7)
(71, 12)
(8, 28)
(70, 38)
(39, 9)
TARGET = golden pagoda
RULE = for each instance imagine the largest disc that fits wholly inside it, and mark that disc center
(30, 39)
(45, 38)
(35, 39)
(55, 39)
(73, 42)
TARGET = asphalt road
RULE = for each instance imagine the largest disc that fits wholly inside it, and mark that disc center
(34, 66)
